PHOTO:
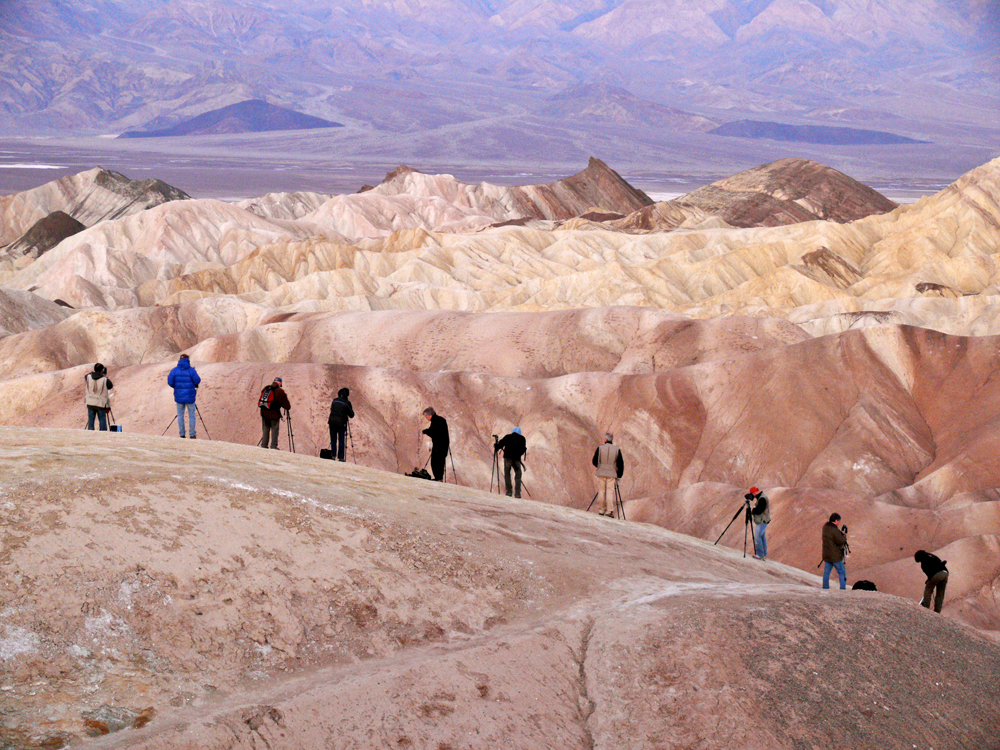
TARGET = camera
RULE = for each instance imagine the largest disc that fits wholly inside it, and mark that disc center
(844, 528)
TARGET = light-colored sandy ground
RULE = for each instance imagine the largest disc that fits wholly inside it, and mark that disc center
(271, 600)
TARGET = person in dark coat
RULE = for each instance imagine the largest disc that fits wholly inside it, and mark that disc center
(184, 379)
(834, 544)
(340, 412)
(936, 571)
(97, 396)
(272, 400)
(514, 447)
(440, 442)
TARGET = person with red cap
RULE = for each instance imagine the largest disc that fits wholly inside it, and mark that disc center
(761, 515)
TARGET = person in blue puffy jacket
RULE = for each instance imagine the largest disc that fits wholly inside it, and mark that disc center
(184, 380)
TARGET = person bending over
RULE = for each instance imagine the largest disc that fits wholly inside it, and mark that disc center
(440, 442)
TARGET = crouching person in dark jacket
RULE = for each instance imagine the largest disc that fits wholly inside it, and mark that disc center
(936, 571)
(340, 412)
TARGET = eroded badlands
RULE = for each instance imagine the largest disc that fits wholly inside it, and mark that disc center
(787, 328)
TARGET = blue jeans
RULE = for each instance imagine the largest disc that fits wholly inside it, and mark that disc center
(827, 567)
(102, 417)
(760, 539)
(191, 418)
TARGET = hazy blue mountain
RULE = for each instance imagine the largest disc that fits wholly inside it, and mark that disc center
(252, 116)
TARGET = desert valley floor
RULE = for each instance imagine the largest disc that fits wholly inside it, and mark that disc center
(786, 327)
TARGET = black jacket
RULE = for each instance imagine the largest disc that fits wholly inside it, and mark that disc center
(340, 411)
(513, 446)
(438, 433)
(932, 564)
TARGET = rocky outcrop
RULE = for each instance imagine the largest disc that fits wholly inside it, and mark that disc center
(787, 192)
(89, 198)
(43, 236)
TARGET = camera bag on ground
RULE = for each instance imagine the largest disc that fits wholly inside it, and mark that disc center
(325, 453)
(864, 586)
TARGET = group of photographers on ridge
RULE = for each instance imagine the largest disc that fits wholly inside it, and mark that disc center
(608, 461)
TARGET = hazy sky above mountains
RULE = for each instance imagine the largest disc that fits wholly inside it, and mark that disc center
(506, 79)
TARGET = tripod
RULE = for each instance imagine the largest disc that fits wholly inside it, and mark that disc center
(198, 412)
(619, 505)
(745, 509)
(354, 456)
(291, 432)
(495, 472)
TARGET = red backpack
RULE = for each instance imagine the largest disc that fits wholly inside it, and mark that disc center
(266, 397)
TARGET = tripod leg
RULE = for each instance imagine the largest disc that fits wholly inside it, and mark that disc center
(169, 425)
(354, 456)
(198, 412)
(728, 525)
(618, 501)
(454, 473)
(593, 500)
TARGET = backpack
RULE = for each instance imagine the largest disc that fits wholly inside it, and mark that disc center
(338, 413)
(266, 397)
(864, 586)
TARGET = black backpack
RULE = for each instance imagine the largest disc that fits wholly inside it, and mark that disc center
(864, 586)
(338, 413)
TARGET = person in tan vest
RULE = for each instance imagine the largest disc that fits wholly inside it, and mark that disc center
(610, 467)
(98, 396)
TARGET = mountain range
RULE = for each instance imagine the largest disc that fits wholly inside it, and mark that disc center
(462, 66)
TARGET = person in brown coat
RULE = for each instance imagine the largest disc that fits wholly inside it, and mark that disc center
(936, 571)
(834, 544)
(272, 401)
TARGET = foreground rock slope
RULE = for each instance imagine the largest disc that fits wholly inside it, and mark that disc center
(346, 605)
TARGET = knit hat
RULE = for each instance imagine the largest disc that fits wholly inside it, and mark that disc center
(516, 430)
(754, 490)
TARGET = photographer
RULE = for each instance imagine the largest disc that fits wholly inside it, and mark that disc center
(610, 468)
(440, 442)
(760, 513)
(97, 396)
(514, 447)
(834, 545)
(936, 571)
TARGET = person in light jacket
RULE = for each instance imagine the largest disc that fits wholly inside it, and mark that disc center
(98, 396)
(610, 468)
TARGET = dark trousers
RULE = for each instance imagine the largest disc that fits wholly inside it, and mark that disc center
(269, 432)
(937, 581)
(338, 441)
(438, 458)
(514, 464)
(102, 417)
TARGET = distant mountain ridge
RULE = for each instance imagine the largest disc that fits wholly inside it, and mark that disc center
(410, 67)
(252, 116)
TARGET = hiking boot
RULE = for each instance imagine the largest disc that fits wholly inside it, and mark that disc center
(193, 437)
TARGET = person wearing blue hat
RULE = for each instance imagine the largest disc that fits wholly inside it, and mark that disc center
(514, 447)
